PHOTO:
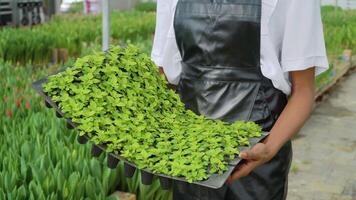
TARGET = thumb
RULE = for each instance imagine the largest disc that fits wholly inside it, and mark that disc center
(251, 154)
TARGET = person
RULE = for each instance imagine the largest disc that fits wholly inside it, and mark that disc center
(252, 60)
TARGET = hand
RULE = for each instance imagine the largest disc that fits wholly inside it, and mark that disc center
(258, 155)
(170, 86)
(161, 71)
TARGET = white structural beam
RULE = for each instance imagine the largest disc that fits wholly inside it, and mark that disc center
(106, 24)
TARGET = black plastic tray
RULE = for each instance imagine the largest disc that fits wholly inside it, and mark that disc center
(215, 181)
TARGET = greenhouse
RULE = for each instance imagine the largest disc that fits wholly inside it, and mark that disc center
(177, 99)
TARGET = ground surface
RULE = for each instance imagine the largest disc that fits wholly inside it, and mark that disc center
(324, 163)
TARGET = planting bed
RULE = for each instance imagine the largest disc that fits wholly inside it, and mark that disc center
(218, 163)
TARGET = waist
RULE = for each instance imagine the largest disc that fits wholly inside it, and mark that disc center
(223, 73)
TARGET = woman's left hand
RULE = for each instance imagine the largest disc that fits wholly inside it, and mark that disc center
(258, 155)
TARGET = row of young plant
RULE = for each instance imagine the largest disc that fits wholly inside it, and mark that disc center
(40, 158)
(339, 29)
(76, 32)
(149, 6)
(72, 32)
(340, 34)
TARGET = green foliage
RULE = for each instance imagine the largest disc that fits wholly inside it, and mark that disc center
(325, 78)
(120, 100)
(73, 32)
(76, 7)
(340, 34)
(330, 8)
(339, 29)
(146, 6)
(40, 158)
(143, 192)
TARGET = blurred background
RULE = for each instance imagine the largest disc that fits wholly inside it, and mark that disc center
(39, 156)
(346, 4)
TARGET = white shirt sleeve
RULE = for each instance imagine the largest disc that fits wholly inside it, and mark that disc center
(165, 52)
(163, 24)
(303, 43)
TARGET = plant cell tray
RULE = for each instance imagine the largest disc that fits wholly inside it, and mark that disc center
(214, 181)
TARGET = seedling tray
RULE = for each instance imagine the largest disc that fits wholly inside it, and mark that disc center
(215, 181)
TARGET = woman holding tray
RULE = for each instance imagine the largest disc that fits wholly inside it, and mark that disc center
(252, 60)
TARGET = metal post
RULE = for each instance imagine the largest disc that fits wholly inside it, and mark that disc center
(85, 10)
(15, 13)
(106, 25)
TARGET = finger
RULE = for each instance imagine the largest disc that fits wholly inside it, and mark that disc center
(252, 154)
(239, 165)
(237, 175)
(229, 180)
(244, 170)
(237, 168)
(249, 155)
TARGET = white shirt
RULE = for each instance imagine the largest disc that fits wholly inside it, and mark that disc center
(292, 39)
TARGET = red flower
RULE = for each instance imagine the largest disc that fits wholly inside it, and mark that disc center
(28, 105)
(18, 102)
(9, 113)
(5, 99)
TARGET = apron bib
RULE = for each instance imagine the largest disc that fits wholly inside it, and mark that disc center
(219, 42)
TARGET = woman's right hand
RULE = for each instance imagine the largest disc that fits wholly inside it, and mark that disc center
(161, 71)
(170, 86)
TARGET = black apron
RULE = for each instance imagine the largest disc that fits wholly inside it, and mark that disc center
(219, 41)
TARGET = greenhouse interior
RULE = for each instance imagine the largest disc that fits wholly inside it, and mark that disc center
(161, 100)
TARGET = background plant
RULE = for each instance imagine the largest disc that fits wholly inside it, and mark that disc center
(340, 29)
(76, 31)
(340, 34)
(73, 32)
(149, 6)
(40, 158)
